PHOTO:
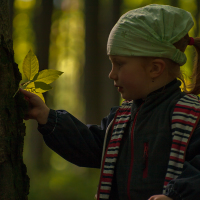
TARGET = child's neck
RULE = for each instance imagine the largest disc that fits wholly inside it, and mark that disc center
(160, 82)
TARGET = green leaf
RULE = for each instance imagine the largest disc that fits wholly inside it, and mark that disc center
(48, 75)
(41, 87)
(38, 87)
(35, 77)
(30, 65)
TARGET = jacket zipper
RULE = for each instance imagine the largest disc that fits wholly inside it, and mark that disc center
(145, 171)
(132, 156)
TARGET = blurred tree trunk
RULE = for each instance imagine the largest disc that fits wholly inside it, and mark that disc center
(14, 183)
(92, 67)
(174, 3)
(197, 17)
(100, 94)
(110, 13)
(42, 28)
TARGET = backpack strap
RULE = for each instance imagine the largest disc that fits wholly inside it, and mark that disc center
(184, 121)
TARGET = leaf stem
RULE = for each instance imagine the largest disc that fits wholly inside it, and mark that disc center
(16, 93)
(26, 83)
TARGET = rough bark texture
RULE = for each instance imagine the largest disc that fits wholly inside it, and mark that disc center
(10, 4)
(14, 183)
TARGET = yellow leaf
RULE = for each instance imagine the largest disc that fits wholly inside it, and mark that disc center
(48, 76)
(30, 85)
(40, 95)
(37, 81)
(30, 65)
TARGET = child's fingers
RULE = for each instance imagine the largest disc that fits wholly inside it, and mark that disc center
(26, 93)
(37, 108)
(32, 98)
(151, 198)
(27, 99)
(159, 197)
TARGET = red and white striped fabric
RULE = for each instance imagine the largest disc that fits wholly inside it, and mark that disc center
(184, 120)
(120, 122)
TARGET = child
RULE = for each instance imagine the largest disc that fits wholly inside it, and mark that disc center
(144, 150)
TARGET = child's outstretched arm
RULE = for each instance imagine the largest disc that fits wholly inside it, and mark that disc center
(38, 110)
(70, 138)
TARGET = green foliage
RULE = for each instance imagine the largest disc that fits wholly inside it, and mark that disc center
(38, 82)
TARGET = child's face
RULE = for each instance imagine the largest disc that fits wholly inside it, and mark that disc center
(131, 76)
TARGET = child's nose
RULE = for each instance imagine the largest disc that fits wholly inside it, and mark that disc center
(112, 75)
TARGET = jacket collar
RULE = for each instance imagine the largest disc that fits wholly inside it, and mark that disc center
(156, 97)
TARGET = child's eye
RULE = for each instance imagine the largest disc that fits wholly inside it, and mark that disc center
(119, 64)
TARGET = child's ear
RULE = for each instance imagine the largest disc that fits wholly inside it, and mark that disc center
(157, 67)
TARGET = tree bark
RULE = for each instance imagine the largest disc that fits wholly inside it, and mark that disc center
(14, 183)
(11, 3)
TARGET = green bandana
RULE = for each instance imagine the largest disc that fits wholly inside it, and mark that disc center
(150, 31)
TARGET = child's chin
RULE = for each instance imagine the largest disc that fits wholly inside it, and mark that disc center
(126, 97)
(129, 98)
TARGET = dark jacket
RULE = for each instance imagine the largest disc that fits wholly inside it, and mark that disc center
(82, 145)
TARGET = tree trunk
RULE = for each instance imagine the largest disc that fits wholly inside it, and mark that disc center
(109, 97)
(11, 3)
(91, 69)
(116, 10)
(174, 3)
(197, 17)
(42, 28)
(100, 93)
(14, 183)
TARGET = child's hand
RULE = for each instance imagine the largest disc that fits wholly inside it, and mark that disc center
(159, 197)
(37, 108)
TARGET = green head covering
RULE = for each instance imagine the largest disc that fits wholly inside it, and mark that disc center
(150, 31)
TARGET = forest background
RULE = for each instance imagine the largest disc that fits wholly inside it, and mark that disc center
(71, 36)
